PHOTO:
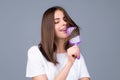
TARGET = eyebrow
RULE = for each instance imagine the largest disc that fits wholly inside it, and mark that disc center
(57, 19)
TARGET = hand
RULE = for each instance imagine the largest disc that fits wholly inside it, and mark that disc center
(73, 53)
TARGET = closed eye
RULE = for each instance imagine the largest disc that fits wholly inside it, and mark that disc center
(56, 20)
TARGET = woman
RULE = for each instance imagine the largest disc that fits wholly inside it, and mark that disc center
(55, 58)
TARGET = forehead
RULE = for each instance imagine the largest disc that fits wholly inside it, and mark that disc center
(58, 14)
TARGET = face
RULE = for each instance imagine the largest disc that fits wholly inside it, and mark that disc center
(60, 25)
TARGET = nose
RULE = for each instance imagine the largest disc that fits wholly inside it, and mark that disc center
(64, 23)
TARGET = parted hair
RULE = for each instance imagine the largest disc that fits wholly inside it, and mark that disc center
(47, 45)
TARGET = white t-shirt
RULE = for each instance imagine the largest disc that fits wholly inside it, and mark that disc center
(37, 65)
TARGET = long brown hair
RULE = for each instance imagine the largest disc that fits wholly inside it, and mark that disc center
(47, 45)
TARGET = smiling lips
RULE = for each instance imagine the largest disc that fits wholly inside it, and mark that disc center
(63, 30)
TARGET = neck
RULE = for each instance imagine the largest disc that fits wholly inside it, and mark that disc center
(60, 46)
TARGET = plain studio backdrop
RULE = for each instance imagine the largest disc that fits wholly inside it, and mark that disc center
(99, 20)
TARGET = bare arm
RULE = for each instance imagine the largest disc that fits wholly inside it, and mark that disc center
(86, 78)
(62, 75)
(40, 77)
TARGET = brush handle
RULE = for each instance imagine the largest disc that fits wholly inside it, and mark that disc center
(75, 40)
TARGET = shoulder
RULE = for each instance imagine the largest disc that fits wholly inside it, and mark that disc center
(34, 51)
(33, 48)
(35, 62)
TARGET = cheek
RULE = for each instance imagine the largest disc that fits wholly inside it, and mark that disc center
(57, 29)
(56, 33)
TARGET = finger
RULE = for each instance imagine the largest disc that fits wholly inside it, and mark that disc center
(78, 53)
(74, 56)
(78, 57)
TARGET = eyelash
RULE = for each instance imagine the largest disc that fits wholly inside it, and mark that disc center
(56, 22)
(63, 19)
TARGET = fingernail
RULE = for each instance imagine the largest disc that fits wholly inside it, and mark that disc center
(78, 57)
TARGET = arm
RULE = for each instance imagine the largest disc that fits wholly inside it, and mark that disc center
(86, 78)
(62, 75)
(40, 77)
(35, 67)
(84, 72)
(73, 53)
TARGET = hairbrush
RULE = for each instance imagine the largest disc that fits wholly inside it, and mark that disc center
(74, 35)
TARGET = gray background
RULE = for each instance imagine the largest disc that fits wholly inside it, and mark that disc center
(20, 29)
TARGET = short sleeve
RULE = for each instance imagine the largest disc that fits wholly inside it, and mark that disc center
(83, 68)
(35, 65)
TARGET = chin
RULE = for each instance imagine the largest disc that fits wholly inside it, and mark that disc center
(64, 37)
